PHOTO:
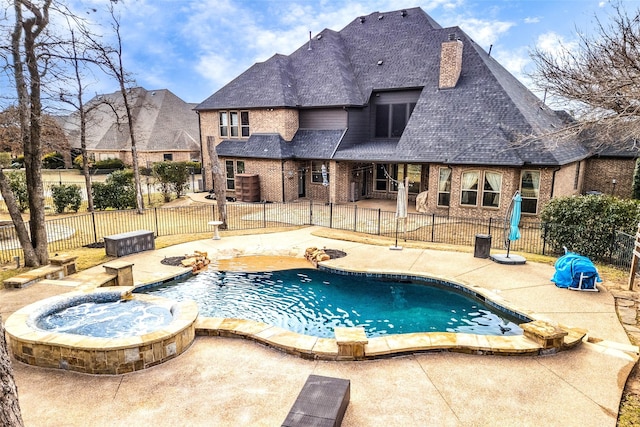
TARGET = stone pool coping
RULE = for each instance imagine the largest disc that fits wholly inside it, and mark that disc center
(96, 355)
(540, 337)
(121, 355)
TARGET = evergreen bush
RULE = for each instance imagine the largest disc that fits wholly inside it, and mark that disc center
(117, 192)
(587, 224)
(66, 196)
(18, 184)
(53, 161)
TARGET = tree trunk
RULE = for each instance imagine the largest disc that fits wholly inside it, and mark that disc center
(10, 415)
(219, 182)
(27, 31)
(30, 258)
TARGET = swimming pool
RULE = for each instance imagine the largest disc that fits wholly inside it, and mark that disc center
(314, 302)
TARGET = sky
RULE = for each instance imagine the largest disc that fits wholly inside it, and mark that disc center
(193, 48)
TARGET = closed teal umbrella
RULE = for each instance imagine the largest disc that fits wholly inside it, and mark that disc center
(514, 221)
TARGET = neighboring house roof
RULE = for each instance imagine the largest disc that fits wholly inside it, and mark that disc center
(488, 118)
(163, 122)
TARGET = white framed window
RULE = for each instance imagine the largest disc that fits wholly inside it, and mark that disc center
(444, 187)
(234, 123)
(469, 184)
(491, 190)
(530, 191)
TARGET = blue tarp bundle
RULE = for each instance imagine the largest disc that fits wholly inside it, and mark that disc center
(571, 267)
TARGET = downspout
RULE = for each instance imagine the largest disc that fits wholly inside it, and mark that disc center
(553, 181)
(202, 167)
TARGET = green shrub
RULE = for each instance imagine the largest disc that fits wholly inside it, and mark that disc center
(195, 166)
(117, 192)
(586, 224)
(18, 184)
(66, 196)
(171, 177)
(109, 164)
(53, 161)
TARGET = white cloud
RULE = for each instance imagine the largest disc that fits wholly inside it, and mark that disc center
(484, 32)
(531, 20)
(553, 43)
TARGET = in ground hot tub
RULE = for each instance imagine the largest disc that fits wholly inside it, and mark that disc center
(106, 331)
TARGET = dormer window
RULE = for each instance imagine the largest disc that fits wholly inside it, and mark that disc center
(234, 124)
(391, 119)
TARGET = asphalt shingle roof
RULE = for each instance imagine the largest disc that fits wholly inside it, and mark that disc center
(163, 122)
(482, 120)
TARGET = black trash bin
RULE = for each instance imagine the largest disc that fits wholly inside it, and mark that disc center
(483, 246)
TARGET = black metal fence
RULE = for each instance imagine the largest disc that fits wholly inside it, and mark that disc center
(85, 229)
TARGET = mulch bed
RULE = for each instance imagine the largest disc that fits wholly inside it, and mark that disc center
(174, 261)
(334, 253)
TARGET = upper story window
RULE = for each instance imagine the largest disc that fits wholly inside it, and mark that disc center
(444, 187)
(391, 119)
(530, 191)
(167, 157)
(234, 124)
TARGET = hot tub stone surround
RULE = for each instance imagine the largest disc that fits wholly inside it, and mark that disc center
(99, 355)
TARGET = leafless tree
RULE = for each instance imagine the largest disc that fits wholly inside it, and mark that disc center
(10, 414)
(28, 66)
(219, 181)
(76, 100)
(599, 79)
(109, 58)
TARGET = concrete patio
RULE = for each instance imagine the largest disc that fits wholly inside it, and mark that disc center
(226, 381)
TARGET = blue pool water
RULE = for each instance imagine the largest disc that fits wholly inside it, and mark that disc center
(313, 302)
(113, 319)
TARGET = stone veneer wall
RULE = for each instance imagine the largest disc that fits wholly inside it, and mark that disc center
(93, 360)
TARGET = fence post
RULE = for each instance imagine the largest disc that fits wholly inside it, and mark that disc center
(489, 233)
(95, 231)
(155, 214)
(330, 215)
(433, 227)
(612, 245)
(264, 215)
(379, 220)
(355, 217)
(310, 212)
(544, 237)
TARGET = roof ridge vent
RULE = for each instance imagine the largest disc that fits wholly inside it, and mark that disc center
(362, 19)
(380, 17)
(403, 13)
(452, 37)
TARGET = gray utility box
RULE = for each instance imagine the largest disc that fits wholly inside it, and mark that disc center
(129, 243)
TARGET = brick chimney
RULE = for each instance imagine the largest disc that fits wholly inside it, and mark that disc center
(450, 62)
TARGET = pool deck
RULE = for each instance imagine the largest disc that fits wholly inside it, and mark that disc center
(227, 381)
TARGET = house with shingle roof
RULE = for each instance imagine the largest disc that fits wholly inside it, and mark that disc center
(165, 127)
(394, 97)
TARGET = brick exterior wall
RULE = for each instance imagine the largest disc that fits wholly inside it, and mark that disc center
(283, 121)
(565, 180)
(600, 173)
(450, 64)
